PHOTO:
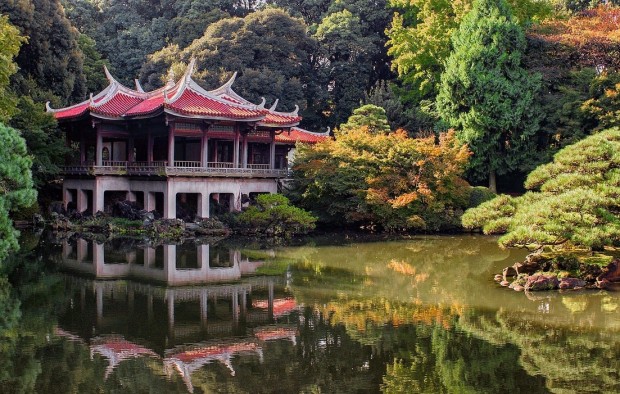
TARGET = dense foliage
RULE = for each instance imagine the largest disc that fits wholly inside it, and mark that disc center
(487, 94)
(16, 188)
(574, 200)
(382, 180)
(273, 215)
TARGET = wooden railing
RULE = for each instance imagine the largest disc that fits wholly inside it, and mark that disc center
(181, 168)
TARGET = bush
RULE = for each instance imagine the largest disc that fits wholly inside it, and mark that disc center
(273, 215)
(480, 194)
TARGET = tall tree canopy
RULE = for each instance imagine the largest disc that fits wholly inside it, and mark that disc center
(269, 49)
(487, 95)
(573, 200)
(419, 38)
(16, 189)
(10, 41)
(52, 57)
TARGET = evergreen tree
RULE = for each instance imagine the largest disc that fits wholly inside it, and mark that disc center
(370, 116)
(487, 95)
(10, 41)
(15, 185)
(573, 200)
(52, 56)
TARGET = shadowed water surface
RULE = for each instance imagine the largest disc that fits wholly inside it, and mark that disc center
(327, 316)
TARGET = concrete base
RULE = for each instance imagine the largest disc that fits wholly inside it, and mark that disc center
(169, 188)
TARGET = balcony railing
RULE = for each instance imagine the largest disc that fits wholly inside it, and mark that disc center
(181, 168)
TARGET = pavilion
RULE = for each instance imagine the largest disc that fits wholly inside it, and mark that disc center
(179, 144)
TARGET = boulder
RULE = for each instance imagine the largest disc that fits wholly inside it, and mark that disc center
(611, 273)
(541, 282)
(571, 283)
(518, 288)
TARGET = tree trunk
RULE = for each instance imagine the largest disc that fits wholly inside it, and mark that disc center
(492, 182)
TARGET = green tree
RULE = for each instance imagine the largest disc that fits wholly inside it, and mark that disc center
(419, 38)
(51, 57)
(273, 214)
(370, 116)
(96, 80)
(487, 95)
(10, 41)
(573, 200)
(16, 189)
(270, 50)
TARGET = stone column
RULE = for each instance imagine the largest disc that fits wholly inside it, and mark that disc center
(82, 201)
(203, 205)
(98, 194)
(149, 201)
(170, 204)
(203, 150)
(130, 196)
(66, 197)
(82, 150)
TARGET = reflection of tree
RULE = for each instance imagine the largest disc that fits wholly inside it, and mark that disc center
(571, 358)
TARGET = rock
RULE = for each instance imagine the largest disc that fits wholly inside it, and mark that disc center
(498, 278)
(603, 284)
(590, 272)
(128, 210)
(518, 288)
(571, 283)
(527, 267)
(541, 282)
(150, 216)
(57, 207)
(509, 272)
(611, 273)
(504, 283)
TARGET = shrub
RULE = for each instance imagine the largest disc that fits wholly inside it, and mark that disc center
(273, 215)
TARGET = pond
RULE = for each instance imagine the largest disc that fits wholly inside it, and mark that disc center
(331, 315)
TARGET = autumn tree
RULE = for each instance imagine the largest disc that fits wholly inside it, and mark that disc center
(572, 200)
(487, 95)
(386, 180)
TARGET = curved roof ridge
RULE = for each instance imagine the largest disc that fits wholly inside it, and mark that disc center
(98, 96)
(294, 112)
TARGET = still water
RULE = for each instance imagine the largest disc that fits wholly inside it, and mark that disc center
(393, 316)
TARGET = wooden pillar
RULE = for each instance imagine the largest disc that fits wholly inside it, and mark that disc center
(236, 149)
(99, 147)
(245, 152)
(131, 157)
(82, 150)
(149, 148)
(272, 151)
(171, 148)
(204, 149)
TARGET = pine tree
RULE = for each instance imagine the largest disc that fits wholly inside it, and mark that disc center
(486, 93)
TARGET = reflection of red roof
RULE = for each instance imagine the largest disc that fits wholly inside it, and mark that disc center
(213, 351)
(281, 306)
(270, 334)
(300, 135)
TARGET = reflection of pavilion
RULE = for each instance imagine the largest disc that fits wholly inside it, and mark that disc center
(116, 349)
(172, 264)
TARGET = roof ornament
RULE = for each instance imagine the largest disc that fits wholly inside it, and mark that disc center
(262, 103)
(296, 111)
(228, 84)
(48, 108)
(108, 75)
(166, 100)
(170, 78)
(138, 86)
(190, 68)
(91, 101)
(275, 104)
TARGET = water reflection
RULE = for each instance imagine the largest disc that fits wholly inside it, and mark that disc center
(174, 265)
(420, 315)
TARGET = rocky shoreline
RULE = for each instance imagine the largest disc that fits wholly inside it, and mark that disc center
(560, 271)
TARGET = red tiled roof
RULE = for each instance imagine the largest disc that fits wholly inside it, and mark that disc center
(147, 106)
(280, 119)
(300, 135)
(192, 103)
(118, 105)
(72, 112)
